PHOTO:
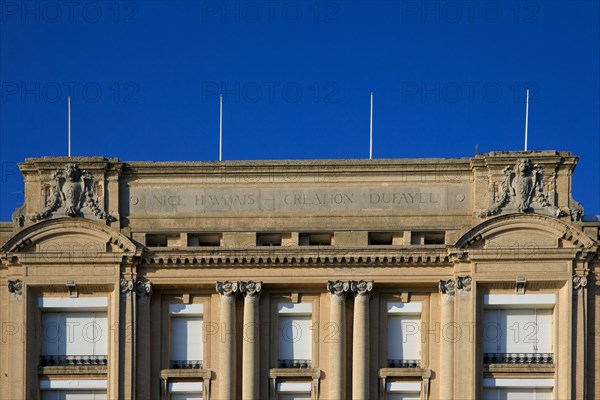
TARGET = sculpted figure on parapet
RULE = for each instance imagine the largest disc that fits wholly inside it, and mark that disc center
(522, 187)
(72, 190)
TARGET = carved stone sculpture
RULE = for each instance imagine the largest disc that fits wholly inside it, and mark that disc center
(521, 187)
(579, 282)
(15, 287)
(464, 283)
(250, 288)
(447, 287)
(338, 288)
(143, 289)
(126, 286)
(361, 288)
(227, 288)
(72, 190)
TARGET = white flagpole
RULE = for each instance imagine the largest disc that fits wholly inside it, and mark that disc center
(526, 118)
(371, 131)
(69, 124)
(221, 128)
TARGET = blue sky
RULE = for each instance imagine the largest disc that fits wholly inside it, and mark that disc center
(144, 77)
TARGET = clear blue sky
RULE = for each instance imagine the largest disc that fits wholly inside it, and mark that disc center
(144, 77)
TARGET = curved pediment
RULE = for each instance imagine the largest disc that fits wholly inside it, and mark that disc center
(524, 231)
(70, 235)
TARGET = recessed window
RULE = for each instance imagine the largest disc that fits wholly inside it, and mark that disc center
(403, 390)
(518, 388)
(204, 239)
(518, 331)
(385, 238)
(428, 238)
(403, 335)
(186, 336)
(315, 239)
(162, 240)
(294, 390)
(80, 389)
(295, 335)
(268, 239)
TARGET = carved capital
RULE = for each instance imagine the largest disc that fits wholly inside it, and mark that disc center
(251, 288)
(579, 282)
(126, 286)
(447, 287)
(361, 288)
(143, 289)
(463, 283)
(227, 288)
(337, 288)
(15, 287)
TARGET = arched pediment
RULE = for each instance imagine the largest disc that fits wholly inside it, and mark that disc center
(69, 234)
(524, 230)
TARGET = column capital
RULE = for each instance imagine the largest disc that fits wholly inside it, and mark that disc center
(143, 289)
(126, 286)
(227, 288)
(15, 287)
(447, 287)
(338, 288)
(250, 288)
(463, 283)
(579, 282)
(361, 288)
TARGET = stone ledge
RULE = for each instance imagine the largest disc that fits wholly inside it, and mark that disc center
(519, 368)
(313, 373)
(404, 372)
(73, 370)
(186, 373)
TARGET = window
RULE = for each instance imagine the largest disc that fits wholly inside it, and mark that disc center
(294, 391)
(403, 335)
(268, 239)
(74, 331)
(315, 239)
(75, 389)
(187, 345)
(204, 239)
(295, 335)
(428, 237)
(517, 389)
(185, 390)
(403, 391)
(162, 240)
(385, 238)
(518, 331)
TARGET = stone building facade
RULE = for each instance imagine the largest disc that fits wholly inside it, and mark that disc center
(349, 279)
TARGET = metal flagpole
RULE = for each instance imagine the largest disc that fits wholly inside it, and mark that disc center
(371, 131)
(221, 128)
(69, 123)
(526, 118)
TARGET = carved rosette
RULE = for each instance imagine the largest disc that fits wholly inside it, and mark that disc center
(338, 288)
(361, 288)
(579, 282)
(15, 287)
(227, 288)
(143, 289)
(251, 289)
(72, 190)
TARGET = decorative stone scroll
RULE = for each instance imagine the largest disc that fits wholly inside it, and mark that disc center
(463, 283)
(72, 191)
(361, 288)
(579, 282)
(521, 189)
(126, 287)
(15, 287)
(338, 288)
(447, 287)
(143, 289)
(227, 288)
(250, 288)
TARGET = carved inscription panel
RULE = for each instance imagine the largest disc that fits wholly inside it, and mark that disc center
(334, 199)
